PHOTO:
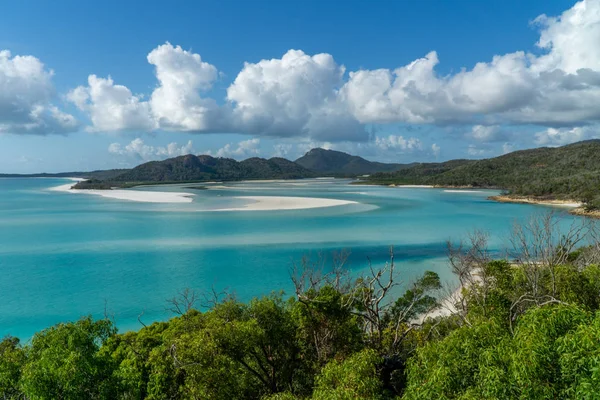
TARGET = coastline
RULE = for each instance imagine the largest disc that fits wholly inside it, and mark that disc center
(576, 207)
(131, 195)
(411, 186)
(257, 203)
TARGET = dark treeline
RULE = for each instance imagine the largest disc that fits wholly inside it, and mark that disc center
(526, 328)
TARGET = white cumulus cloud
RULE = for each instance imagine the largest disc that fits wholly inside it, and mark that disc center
(112, 107)
(141, 151)
(313, 97)
(243, 149)
(293, 96)
(562, 136)
(398, 142)
(26, 94)
(486, 134)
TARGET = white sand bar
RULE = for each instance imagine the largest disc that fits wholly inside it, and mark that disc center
(271, 203)
(412, 186)
(462, 191)
(130, 195)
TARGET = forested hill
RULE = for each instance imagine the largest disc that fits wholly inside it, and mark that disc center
(340, 163)
(188, 168)
(203, 168)
(571, 171)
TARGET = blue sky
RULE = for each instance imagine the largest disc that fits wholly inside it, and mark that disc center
(221, 75)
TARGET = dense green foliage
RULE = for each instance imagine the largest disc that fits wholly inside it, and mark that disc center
(192, 168)
(203, 168)
(571, 172)
(337, 163)
(528, 329)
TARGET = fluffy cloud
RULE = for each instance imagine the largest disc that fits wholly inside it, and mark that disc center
(282, 150)
(293, 96)
(112, 107)
(398, 143)
(26, 92)
(312, 96)
(244, 149)
(560, 87)
(176, 103)
(435, 150)
(141, 151)
(475, 151)
(486, 134)
(562, 136)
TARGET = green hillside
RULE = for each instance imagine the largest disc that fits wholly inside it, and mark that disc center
(339, 163)
(568, 172)
(204, 168)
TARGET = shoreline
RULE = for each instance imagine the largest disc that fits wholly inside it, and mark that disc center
(280, 203)
(576, 207)
(412, 186)
(257, 203)
(130, 195)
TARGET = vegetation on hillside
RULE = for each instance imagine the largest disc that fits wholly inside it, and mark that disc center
(192, 168)
(568, 172)
(522, 329)
(338, 163)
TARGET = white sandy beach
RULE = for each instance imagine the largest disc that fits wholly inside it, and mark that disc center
(527, 200)
(271, 203)
(257, 203)
(131, 195)
(462, 191)
(412, 186)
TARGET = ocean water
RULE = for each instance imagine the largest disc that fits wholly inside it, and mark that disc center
(66, 255)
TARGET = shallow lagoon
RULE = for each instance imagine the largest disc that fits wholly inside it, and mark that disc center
(64, 255)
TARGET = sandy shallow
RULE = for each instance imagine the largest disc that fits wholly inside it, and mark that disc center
(271, 203)
(462, 191)
(131, 195)
(411, 186)
(257, 203)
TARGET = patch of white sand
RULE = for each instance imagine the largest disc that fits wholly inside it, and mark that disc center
(462, 191)
(412, 186)
(272, 203)
(130, 195)
(568, 205)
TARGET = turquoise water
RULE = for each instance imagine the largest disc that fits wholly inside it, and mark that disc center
(65, 255)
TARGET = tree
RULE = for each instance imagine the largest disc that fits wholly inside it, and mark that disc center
(63, 362)
(354, 378)
(12, 359)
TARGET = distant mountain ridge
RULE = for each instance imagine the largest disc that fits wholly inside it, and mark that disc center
(204, 168)
(190, 168)
(340, 163)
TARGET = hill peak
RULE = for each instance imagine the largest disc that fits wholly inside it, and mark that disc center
(335, 162)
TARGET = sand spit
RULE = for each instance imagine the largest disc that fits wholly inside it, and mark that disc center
(130, 195)
(411, 186)
(272, 203)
